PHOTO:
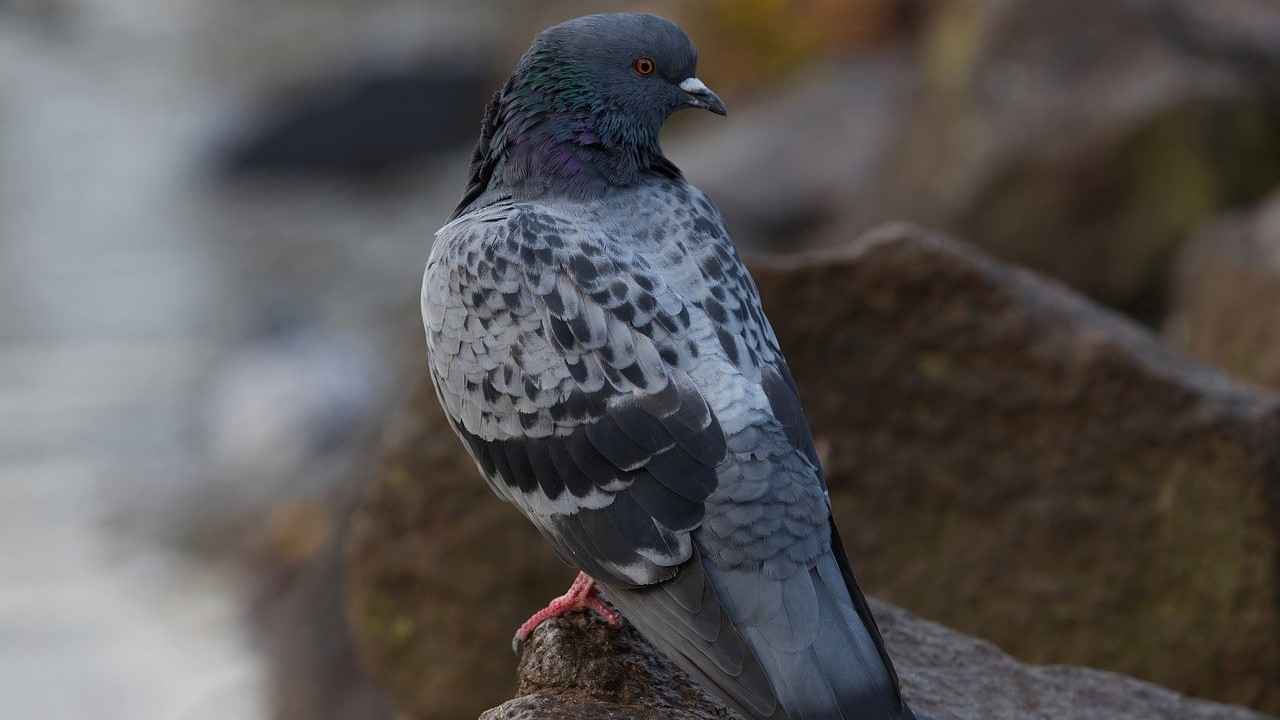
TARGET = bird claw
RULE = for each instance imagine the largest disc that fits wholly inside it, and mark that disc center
(582, 595)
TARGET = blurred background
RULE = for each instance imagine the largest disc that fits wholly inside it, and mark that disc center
(214, 216)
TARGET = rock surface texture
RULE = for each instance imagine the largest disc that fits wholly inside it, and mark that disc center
(577, 667)
(1226, 295)
(442, 573)
(1003, 456)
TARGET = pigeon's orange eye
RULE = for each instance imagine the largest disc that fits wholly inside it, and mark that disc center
(644, 66)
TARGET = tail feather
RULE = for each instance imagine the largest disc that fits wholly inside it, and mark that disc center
(803, 648)
(822, 660)
(802, 686)
(864, 612)
(848, 654)
(685, 619)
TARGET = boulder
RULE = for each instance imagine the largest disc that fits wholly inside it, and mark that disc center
(1225, 296)
(577, 667)
(298, 619)
(1015, 462)
(778, 189)
(1086, 140)
(1003, 456)
(441, 572)
(292, 561)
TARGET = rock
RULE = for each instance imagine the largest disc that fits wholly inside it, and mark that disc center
(1226, 295)
(745, 47)
(1015, 462)
(1240, 30)
(1086, 140)
(294, 562)
(300, 622)
(578, 667)
(441, 572)
(366, 125)
(774, 188)
(1100, 192)
(1003, 456)
(947, 675)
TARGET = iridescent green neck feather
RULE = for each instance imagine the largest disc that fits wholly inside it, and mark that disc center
(575, 120)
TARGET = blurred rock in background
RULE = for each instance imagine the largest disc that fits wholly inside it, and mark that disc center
(753, 46)
(365, 125)
(1240, 30)
(299, 613)
(810, 156)
(439, 570)
(1085, 139)
(1225, 302)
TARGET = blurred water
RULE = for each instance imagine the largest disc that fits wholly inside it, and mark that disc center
(109, 309)
(128, 279)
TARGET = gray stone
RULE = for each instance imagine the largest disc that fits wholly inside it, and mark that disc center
(1085, 140)
(809, 155)
(576, 667)
(1225, 296)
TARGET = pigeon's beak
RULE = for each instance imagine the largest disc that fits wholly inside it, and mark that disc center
(700, 96)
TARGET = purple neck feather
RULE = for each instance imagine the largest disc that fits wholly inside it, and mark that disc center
(531, 148)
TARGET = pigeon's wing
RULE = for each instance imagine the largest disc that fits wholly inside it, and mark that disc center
(562, 361)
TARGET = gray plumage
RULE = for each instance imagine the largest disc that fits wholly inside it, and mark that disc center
(598, 345)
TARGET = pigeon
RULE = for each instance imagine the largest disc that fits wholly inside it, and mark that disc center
(599, 347)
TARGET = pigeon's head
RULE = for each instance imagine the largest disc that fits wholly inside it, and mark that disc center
(582, 110)
(628, 71)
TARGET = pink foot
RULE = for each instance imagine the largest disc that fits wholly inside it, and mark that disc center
(582, 595)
